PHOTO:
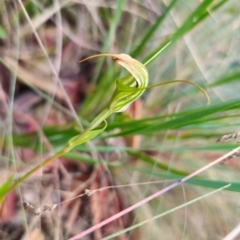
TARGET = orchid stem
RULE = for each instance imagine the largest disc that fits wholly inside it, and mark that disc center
(29, 173)
(99, 119)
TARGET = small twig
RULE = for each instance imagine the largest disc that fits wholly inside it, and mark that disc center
(88, 192)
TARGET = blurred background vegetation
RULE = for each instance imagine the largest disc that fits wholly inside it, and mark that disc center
(46, 97)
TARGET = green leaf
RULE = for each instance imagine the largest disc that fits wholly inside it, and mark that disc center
(182, 119)
(5, 188)
(226, 79)
(150, 32)
(198, 15)
(197, 181)
(3, 33)
(150, 160)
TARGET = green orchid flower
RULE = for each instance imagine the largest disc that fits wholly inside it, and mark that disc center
(128, 89)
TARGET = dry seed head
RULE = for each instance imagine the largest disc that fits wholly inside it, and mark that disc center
(228, 137)
(38, 210)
